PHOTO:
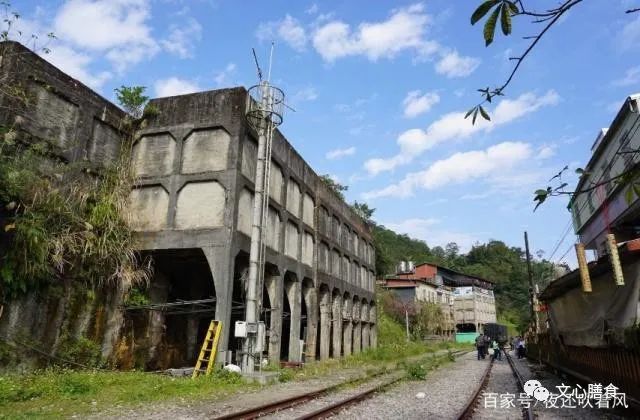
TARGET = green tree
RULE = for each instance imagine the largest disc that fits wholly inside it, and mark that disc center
(363, 210)
(132, 99)
(334, 186)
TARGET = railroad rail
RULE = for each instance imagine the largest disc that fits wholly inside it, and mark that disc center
(286, 403)
(468, 410)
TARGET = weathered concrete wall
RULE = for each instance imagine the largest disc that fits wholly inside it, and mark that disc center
(79, 125)
(195, 163)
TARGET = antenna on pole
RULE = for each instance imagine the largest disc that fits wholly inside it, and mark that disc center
(264, 110)
(270, 61)
(255, 58)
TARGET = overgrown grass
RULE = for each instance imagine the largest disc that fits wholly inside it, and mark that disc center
(62, 393)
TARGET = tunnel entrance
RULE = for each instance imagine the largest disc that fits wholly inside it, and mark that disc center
(168, 320)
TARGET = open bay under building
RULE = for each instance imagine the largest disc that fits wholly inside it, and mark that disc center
(191, 209)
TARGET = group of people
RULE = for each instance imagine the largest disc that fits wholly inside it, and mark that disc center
(494, 347)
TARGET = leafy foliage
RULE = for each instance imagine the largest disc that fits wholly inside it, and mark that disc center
(363, 210)
(503, 9)
(132, 99)
(335, 186)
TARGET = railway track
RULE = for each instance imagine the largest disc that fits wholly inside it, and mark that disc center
(327, 409)
(468, 411)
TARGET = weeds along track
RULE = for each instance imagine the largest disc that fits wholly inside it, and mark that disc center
(326, 401)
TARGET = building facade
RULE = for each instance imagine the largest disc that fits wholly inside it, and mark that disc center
(191, 207)
(610, 207)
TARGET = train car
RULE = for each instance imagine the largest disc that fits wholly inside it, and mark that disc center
(496, 331)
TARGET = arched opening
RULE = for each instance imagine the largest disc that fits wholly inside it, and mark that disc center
(168, 320)
(373, 320)
(364, 317)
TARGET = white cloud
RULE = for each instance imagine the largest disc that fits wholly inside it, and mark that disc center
(306, 94)
(76, 65)
(340, 153)
(312, 10)
(182, 38)
(223, 77)
(453, 126)
(415, 103)
(453, 65)
(119, 27)
(631, 77)
(546, 152)
(629, 36)
(174, 86)
(404, 30)
(288, 29)
(460, 168)
(428, 231)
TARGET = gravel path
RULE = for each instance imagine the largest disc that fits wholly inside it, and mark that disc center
(501, 383)
(531, 370)
(231, 402)
(446, 391)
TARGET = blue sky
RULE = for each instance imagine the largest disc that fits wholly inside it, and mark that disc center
(379, 88)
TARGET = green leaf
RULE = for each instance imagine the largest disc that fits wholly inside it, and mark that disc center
(540, 192)
(484, 114)
(628, 195)
(636, 189)
(469, 112)
(490, 27)
(579, 171)
(482, 10)
(513, 7)
(475, 115)
(505, 19)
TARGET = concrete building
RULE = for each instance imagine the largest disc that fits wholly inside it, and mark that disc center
(467, 299)
(191, 210)
(608, 208)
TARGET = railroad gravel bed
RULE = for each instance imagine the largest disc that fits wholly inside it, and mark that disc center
(207, 408)
(531, 370)
(501, 382)
(331, 398)
(446, 392)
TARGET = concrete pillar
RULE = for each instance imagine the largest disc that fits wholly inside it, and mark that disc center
(357, 328)
(365, 325)
(275, 286)
(337, 325)
(158, 292)
(347, 330)
(310, 297)
(373, 336)
(295, 300)
(325, 324)
(221, 267)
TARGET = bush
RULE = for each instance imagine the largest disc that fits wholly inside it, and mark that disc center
(82, 351)
(416, 371)
(285, 375)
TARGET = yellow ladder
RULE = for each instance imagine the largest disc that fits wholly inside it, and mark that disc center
(209, 348)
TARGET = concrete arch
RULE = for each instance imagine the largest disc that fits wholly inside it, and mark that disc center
(357, 326)
(336, 323)
(347, 325)
(325, 322)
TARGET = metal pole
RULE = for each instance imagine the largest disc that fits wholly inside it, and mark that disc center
(530, 274)
(406, 321)
(252, 309)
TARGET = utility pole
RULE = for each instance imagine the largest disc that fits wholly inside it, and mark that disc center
(264, 113)
(532, 296)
